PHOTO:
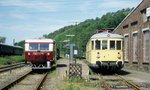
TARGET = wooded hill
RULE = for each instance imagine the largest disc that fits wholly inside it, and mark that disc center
(84, 30)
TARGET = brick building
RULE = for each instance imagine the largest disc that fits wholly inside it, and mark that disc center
(136, 30)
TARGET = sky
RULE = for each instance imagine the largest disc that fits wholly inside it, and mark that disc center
(27, 19)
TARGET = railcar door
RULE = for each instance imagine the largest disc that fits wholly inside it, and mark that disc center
(126, 48)
(104, 51)
(115, 50)
(135, 38)
(112, 48)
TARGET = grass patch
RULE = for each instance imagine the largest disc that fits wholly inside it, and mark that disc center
(76, 80)
(71, 87)
(74, 84)
(11, 59)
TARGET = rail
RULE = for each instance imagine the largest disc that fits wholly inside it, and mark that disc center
(41, 81)
(37, 86)
(114, 82)
(136, 87)
(105, 84)
(8, 85)
(12, 66)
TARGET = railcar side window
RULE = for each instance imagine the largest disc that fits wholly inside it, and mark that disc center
(44, 46)
(118, 45)
(33, 46)
(112, 45)
(92, 45)
(104, 44)
(97, 44)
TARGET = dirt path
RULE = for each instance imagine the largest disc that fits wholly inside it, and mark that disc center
(60, 73)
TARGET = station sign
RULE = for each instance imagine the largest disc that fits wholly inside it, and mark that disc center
(75, 52)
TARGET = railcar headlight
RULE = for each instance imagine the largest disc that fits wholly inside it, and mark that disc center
(98, 55)
(119, 55)
(48, 53)
(29, 54)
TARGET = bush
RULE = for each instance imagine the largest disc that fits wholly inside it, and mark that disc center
(11, 59)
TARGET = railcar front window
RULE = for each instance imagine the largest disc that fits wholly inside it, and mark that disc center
(33, 46)
(92, 45)
(104, 44)
(112, 45)
(118, 45)
(97, 44)
(44, 46)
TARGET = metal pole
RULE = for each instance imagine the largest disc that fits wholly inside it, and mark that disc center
(71, 48)
(75, 44)
(71, 53)
(149, 40)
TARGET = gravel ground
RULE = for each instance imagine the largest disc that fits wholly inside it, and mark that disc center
(10, 76)
(50, 84)
(141, 78)
(137, 76)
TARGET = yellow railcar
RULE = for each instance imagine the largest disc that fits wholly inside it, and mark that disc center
(105, 50)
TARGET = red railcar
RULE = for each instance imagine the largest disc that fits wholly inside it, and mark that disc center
(40, 52)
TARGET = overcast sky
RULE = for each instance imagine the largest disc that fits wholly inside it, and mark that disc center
(25, 19)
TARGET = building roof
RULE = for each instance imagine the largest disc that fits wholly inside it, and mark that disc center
(128, 15)
(106, 35)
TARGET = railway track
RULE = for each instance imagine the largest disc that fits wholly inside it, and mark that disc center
(10, 67)
(12, 73)
(29, 81)
(133, 85)
(118, 83)
(6, 86)
(115, 82)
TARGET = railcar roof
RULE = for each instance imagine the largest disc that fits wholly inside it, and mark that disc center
(106, 35)
(39, 40)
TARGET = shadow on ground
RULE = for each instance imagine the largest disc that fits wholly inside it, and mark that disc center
(108, 72)
(61, 65)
